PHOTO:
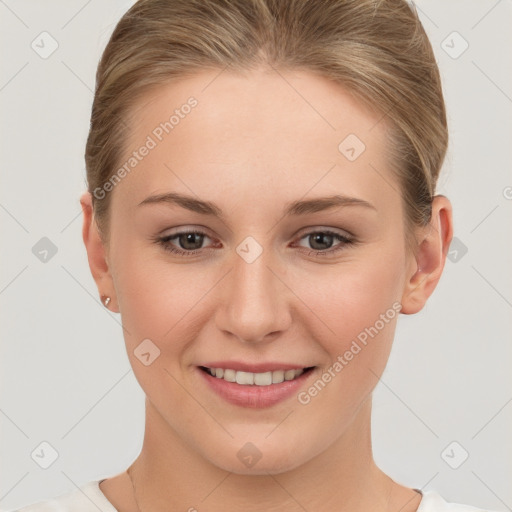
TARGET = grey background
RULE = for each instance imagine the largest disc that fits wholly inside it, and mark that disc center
(65, 376)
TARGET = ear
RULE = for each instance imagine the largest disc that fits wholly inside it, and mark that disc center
(97, 253)
(427, 266)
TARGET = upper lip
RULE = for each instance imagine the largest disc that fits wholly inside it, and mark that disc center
(255, 367)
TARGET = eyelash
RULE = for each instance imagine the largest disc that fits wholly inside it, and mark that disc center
(164, 242)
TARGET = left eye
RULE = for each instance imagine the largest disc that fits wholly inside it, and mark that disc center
(319, 239)
(190, 242)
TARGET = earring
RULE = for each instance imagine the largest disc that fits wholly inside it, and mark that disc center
(105, 300)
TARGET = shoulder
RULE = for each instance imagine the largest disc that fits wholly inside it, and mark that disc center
(434, 502)
(87, 498)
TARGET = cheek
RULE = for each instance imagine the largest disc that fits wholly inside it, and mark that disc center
(160, 303)
(361, 306)
(352, 295)
(166, 302)
(155, 297)
(359, 303)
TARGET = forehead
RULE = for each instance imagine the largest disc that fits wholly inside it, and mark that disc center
(220, 133)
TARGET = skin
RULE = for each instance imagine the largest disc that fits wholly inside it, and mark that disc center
(251, 145)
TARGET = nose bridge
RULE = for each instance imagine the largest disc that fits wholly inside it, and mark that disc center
(254, 303)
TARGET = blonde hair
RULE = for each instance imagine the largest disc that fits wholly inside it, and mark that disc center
(376, 49)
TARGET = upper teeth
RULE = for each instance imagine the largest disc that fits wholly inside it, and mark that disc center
(258, 379)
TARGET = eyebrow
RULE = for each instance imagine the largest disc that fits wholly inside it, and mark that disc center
(301, 207)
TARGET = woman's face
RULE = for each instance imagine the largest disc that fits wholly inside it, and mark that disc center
(264, 284)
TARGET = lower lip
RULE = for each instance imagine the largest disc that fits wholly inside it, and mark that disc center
(253, 396)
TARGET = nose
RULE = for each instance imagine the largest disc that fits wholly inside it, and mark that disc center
(254, 304)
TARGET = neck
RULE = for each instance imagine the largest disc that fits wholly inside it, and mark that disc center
(168, 474)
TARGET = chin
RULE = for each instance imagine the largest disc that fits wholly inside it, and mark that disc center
(271, 465)
(261, 457)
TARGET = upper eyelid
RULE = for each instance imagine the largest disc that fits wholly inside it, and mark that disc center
(301, 233)
(322, 229)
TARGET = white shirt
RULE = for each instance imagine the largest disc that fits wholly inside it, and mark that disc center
(90, 498)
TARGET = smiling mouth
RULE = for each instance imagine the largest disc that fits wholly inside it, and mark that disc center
(255, 379)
